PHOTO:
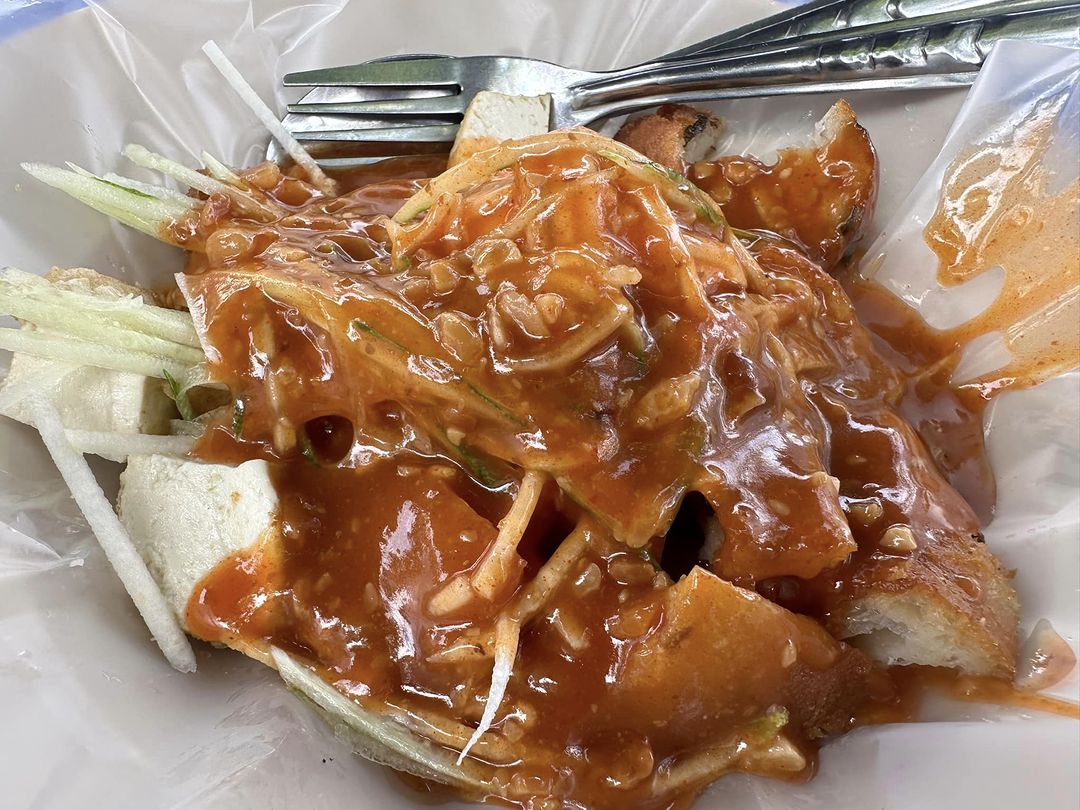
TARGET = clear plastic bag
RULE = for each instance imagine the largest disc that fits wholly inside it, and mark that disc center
(94, 715)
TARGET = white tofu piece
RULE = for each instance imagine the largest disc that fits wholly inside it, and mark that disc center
(492, 118)
(185, 517)
(89, 398)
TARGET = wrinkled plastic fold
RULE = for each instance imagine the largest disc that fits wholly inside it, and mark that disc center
(94, 716)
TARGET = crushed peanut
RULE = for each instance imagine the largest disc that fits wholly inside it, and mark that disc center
(444, 278)
(866, 512)
(284, 436)
(667, 401)
(823, 479)
(523, 312)
(898, 538)
(779, 507)
(588, 580)
(457, 333)
(622, 275)
(789, 655)
(550, 306)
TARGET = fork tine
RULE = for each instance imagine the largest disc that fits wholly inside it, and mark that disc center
(432, 106)
(406, 134)
(399, 73)
(358, 160)
(299, 124)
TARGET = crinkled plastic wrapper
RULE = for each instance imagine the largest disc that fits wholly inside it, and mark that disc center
(92, 714)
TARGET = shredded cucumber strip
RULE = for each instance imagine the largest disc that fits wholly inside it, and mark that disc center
(218, 170)
(499, 562)
(54, 320)
(58, 305)
(118, 446)
(578, 345)
(141, 156)
(673, 185)
(113, 538)
(267, 118)
(757, 737)
(134, 208)
(416, 372)
(137, 186)
(378, 736)
(82, 353)
(507, 633)
(394, 359)
(161, 192)
(486, 163)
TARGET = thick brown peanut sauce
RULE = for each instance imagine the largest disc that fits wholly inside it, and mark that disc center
(764, 394)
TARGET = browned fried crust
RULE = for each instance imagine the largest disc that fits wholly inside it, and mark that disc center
(825, 702)
(952, 600)
(822, 196)
(665, 135)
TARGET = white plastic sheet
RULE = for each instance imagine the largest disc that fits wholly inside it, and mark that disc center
(92, 715)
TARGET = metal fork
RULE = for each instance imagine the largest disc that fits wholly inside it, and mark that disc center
(425, 97)
(815, 16)
(820, 16)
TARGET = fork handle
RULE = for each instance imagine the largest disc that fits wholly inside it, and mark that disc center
(816, 17)
(940, 50)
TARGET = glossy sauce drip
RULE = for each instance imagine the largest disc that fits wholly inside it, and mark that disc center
(999, 208)
(948, 418)
(918, 681)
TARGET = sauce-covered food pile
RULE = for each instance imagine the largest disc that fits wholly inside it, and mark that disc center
(586, 474)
